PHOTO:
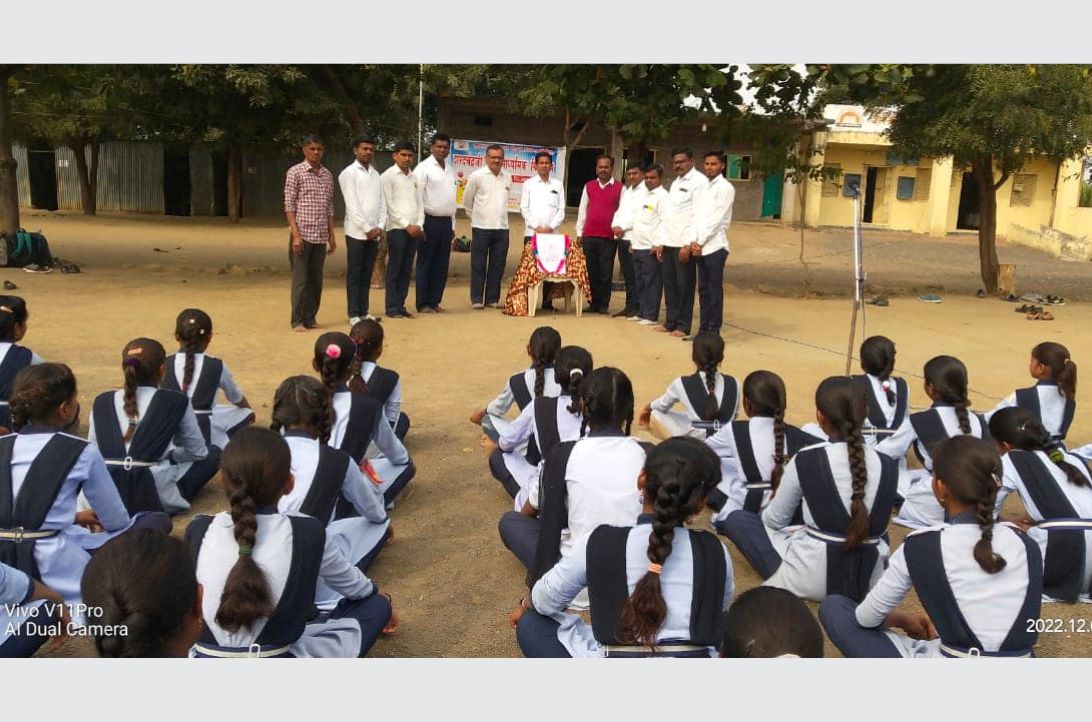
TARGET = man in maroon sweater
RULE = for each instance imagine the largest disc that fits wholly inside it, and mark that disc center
(598, 203)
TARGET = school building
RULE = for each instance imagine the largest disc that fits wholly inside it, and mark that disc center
(1046, 204)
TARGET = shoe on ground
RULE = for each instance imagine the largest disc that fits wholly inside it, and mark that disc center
(477, 306)
(646, 322)
(633, 318)
(492, 305)
(9, 286)
(373, 318)
(425, 309)
(405, 314)
(1010, 298)
(354, 321)
(1055, 301)
(929, 298)
(1032, 298)
(438, 309)
(678, 334)
(624, 313)
(980, 293)
(35, 268)
(299, 329)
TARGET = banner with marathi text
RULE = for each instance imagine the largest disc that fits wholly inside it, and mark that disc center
(468, 156)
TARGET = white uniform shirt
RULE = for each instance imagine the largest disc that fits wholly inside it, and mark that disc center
(542, 204)
(393, 407)
(485, 199)
(682, 207)
(733, 482)
(365, 206)
(676, 394)
(628, 206)
(1051, 407)
(5, 346)
(504, 401)
(899, 442)
(582, 211)
(649, 229)
(402, 195)
(356, 488)
(437, 187)
(715, 214)
(384, 438)
(227, 384)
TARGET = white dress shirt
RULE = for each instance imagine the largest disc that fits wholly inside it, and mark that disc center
(485, 199)
(714, 214)
(649, 229)
(437, 187)
(365, 207)
(542, 204)
(682, 207)
(628, 207)
(582, 212)
(403, 197)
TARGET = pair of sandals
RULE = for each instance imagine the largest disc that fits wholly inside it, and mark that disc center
(1036, 313)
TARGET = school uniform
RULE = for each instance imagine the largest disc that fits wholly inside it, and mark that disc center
(585, 483)
(42, 472)
(13, 359)
(975, 613)
(923, 431)
(519, 390)
(322, 475)
(696, 582)
(17, 640)
(693, 393)
(542, 425)
(294, 553)
(680, 279)
(629, 205)
(359, 422)
(385, 386)
(808, 560)
(166, 461)
(649, 231)
(884, 417)
(746, 451)
(218, 422)
(1045, 402)
(1063, 512)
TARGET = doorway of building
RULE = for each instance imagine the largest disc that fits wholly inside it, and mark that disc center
(968, 216)
(581, 170)
(219, 184)
(772, 188)
(873, 209)
(42, 174)
(176, 183)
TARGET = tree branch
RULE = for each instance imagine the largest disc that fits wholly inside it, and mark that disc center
(352, 112)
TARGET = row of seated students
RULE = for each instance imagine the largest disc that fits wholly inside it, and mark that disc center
(599, 517)
(309, 499)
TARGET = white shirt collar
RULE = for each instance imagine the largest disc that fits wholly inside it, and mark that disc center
(604, 185)
(360, 165)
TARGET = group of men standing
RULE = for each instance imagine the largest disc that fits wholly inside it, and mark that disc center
(668, 242)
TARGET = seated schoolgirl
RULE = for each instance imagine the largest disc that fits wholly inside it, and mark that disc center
(358, 419)
(542, 425)
(753, 453)
(43, 472)
(13, 357)
(24, 599)
(150, 436)
(145, 589)
(846, 491)
(888, 396)
(946, 385)
(981, 583)
(1056, 490)
(770, 622)
(201, 376)
(644, 580)
(536, 381)
(380, 383)
(709, 398)
(1053, 398)
(258, 568)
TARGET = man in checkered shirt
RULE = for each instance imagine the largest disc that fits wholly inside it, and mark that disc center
(309, 207)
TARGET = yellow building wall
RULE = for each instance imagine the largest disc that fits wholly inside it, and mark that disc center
(1038, 213)
(1069, 217)
(888, 210)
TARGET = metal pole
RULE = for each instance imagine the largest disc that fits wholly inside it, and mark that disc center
(420, 107)
(857, 286)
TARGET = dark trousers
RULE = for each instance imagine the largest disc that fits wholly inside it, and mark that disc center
(488, 253)
(679, 281)
(306, 282)
(520, 534)
(401, 248)
(650, 284)
(366, 561)
(401, 427)
(629, 274)
(433, 258)
(399, 483)
(838, 615)
(537, 637)
(199, 474)
(358, 274)
(746, 530)
(711, 291)
(372, 613)
(599, 253)
(500, 472)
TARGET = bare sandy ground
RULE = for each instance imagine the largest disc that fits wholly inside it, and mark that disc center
(452, 580)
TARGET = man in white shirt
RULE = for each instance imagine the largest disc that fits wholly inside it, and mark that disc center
(405, 221)
(542, 205)
(680, 273)
(622, 226)
(436, 177)
(710, 250)
(649, 236)
(365, 216)
(485, 199)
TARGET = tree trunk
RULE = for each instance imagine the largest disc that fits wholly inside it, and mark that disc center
(234, 183)
(9, 189)
(87, 175)
(982, 172)
(635, 151)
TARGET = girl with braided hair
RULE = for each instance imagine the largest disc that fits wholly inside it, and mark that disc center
(544, 423)
(888, 396)
(259, 568)
(1053, 398)
(542, 348)
(844, 492)
(324, 475)
(13, 357)
(980, 582)
(644, 580)
(150, 437)
(1056, 489)
(709, 398)
(380, 383)
(201, 376)
(946, 386)
(358, 424)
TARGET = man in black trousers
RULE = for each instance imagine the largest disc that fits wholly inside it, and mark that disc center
(679, 268)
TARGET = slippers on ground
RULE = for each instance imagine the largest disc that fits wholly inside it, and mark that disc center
(1055, 300)
(1032, 297)
(929, 298)
(878, 301)
(1040, 315)
(1027, 308)
(980, 293)
(9, 286)
(1010, 298)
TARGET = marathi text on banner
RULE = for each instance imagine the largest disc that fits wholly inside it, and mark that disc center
(468, 156)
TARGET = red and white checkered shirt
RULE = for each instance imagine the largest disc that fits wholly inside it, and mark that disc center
(309, 193)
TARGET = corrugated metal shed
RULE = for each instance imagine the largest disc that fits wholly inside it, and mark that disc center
(130, 177)
(202, 183)
(22, 179)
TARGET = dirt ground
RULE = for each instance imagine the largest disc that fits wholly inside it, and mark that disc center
(452, 580)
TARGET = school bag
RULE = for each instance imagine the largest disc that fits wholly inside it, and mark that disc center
(28, 248)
